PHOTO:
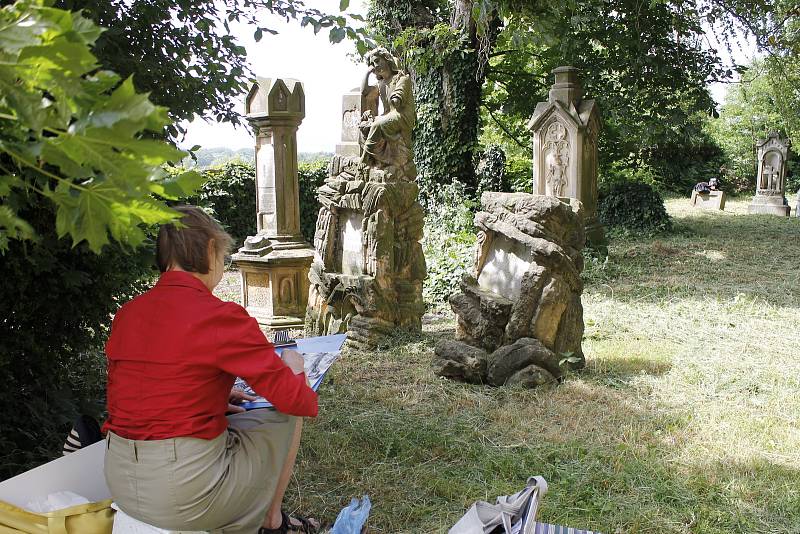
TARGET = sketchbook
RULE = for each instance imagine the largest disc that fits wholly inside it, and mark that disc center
(316, 366)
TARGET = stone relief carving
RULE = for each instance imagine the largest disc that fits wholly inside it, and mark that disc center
(772, 153)
(556, 149)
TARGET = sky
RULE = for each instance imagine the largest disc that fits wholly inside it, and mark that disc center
(327, 72)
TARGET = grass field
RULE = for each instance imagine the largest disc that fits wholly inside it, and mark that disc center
(686, 419)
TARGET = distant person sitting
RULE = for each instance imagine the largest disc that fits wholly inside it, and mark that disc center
(174, 459)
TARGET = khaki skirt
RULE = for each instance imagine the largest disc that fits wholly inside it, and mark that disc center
(222, 485)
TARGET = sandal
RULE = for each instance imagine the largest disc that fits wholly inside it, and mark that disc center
(287, 526)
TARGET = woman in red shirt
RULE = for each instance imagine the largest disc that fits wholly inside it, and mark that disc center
(174, 459)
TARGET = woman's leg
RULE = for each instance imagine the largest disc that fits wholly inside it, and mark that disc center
(273, 517)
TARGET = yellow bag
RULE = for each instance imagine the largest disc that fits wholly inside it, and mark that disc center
(90, 518)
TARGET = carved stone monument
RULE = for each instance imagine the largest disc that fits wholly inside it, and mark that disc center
(565, 130)
(770, 197)
(520, 318)
(708, 196)
(354, 104)
(367, 276)
(274, 263)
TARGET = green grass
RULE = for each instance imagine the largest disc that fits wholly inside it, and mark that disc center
(686, 419)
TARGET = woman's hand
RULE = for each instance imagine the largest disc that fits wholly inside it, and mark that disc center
(237, 397)
(294, 360)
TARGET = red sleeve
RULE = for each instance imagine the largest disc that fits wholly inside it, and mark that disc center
(243, 350)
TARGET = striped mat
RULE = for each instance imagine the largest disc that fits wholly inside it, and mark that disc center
(544, 528)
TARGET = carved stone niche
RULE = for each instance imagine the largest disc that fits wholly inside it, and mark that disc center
(770, 197)
(367, 276)
(520, 318)
(565, 131)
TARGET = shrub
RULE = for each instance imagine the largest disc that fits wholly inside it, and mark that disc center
(311, 175)
(633, 207)
(230, 193)
(55, 309)
(449, 242)
(490, 169)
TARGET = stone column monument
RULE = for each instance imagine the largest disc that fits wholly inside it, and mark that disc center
(770, 197)
(366, 279)
(274, 263)
(565, 130)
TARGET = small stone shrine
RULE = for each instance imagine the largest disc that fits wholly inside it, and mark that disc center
(520, 317)
(274, 263)
(565, 130)
(367, 276)
(770, 197)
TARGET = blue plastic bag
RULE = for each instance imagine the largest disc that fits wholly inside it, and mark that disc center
(353, 517)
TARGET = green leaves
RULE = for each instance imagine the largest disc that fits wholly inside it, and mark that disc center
(77, 135)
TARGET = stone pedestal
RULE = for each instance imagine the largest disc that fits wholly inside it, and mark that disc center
(565, 130)
(520, 317)
(770, 197)
(274, 263)
(713, 200)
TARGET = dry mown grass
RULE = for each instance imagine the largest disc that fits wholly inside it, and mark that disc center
(686, 420)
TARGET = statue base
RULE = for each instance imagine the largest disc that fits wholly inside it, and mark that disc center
(274, 281)
(769, 205)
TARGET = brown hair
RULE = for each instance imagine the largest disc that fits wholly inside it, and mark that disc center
(186, 244)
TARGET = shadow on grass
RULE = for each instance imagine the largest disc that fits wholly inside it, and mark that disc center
(717, 255)
(424, 449)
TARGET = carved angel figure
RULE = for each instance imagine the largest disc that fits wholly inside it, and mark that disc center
(386, 138)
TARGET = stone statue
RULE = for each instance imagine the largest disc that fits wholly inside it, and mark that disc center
(386, 138)
(367, 277)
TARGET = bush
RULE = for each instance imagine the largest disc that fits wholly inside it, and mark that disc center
(633, 207)
(449, 242)
(56, 306)
(312, 175)
(490, 169)
(230, 193)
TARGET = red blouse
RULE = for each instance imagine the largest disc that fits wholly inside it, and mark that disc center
(173, 355)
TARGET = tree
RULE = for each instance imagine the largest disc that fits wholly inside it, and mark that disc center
(644, 62)
(184, 54)
(755, 106)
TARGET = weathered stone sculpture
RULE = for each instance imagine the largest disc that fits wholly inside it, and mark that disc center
(565, 130)
(367, 277)
(274, 263)
(520, 318)
(770, 197)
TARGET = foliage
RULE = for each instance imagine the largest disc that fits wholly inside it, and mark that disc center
(753, 108)
(75, 134)
(441, 55)
(449, 242)
(643, 64)
(55, 307)
(185, 54)
(311, 176)
(633, 207)
(491, 169)
(230, 193)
